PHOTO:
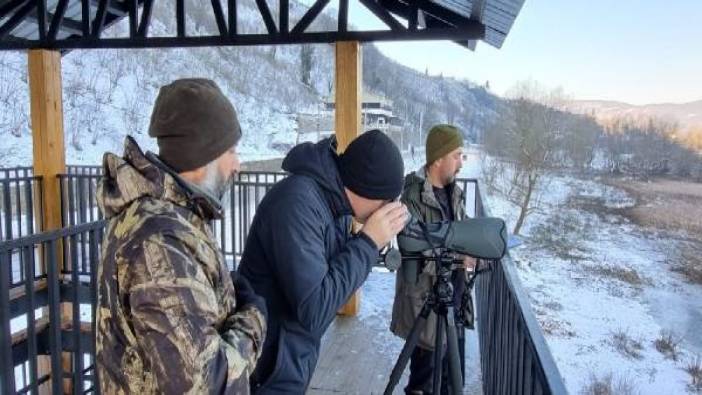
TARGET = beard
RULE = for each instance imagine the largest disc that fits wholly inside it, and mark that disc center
(450, 178)
(215, 183)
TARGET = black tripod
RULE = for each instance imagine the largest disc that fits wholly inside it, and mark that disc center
(440, 301)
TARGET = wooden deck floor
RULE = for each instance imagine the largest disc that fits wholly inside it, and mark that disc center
(359, 352)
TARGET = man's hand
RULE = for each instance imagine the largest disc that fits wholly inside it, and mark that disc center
(385, 223)
(469, 263)
(245, 295)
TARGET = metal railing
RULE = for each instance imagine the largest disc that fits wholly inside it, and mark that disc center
(20, 204)
(84, 169)
(514, 355)
(241, 202)
(470, 194)
(79, 204)
(45, 344)
(78, 188)
(79, 198)
(15, 172)
(515, 358)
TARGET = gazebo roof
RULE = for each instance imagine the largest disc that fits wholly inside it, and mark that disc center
(68, 24)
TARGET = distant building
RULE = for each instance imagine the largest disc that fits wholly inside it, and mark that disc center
(376, 112)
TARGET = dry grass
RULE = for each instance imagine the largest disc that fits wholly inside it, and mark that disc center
(694, 369)
(553, 327)
(623, 274)
(668, 187)
(561, 234)
(665, 204)
(668, 345)
(669, 205)
(607, 385)
(626, 345)
(689, 264)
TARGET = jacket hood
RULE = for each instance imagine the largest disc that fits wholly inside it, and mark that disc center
(319, 162)
(137, 175)
(418, 176)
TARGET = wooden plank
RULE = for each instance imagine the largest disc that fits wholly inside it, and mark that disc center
(19, 291)
(358, 353)
(44, 365)
(347, 119)
(39, 325)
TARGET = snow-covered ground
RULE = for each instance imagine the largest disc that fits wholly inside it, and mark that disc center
(596, 280)
(602, 290)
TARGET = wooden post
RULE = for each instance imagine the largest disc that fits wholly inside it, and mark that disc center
(348, 86)
(49, 153)
(47, 130)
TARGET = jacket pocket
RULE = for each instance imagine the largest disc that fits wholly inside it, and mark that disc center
(279, 361)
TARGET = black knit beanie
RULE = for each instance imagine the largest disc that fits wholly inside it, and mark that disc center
(194, 123)
(372, 167)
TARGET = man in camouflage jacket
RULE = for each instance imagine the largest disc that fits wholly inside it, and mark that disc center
(432, 195)
(169, 317)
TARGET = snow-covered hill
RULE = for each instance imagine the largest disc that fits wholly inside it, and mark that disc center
(109, 93)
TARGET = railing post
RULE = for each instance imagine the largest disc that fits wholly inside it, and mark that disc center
(7, 380)
(348, 116)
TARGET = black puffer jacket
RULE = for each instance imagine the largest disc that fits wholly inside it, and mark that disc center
(302, 258)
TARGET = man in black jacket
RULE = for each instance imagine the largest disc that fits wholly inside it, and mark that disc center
(301, 255)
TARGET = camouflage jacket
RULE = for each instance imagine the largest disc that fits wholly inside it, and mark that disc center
(415, 280)
(167, 316)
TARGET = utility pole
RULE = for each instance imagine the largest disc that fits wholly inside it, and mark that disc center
(421, 118)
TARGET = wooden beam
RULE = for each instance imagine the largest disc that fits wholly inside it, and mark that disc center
(99, 21)
(58, 18)
(180, 17)
(347, 84)
(46, 105)
(231, 17)
(309, 16)
(16, 19)
(120, 9)
(267, 17)
(219, 17)
(85, 17)
(383, 14)
(343, 15)
(145, 18)
(284, 15)
(347, 118)
(133, 9)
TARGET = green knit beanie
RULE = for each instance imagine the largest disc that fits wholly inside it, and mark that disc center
(441, 140)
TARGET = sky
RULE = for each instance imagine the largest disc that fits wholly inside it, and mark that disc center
(638, 52)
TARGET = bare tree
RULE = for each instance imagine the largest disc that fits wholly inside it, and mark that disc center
(13, 96)
(134, 114)
(523, 138)
(306, 52)
(578, 140)
(647, 148)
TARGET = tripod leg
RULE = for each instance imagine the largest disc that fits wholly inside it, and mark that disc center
(407, 349)
(453, 353)
(438, 354)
